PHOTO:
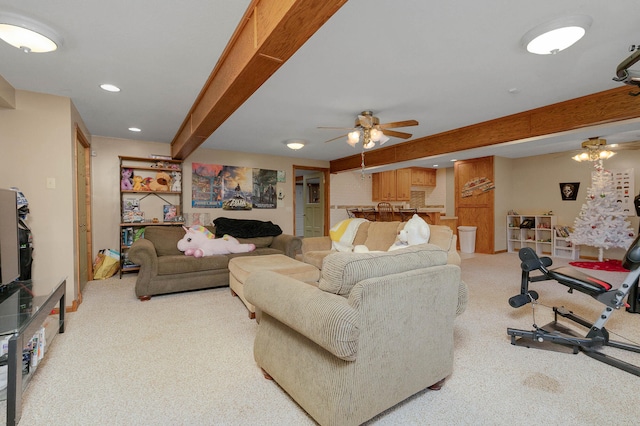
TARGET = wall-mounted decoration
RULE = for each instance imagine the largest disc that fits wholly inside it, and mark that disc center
(569, 190)
(206, 185)
(237, 184)
(476, 185)
(233, 188)
(264, 189)
(625, 189)
(282, 176)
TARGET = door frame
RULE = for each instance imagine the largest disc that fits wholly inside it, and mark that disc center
(327, 190)
(81, 139)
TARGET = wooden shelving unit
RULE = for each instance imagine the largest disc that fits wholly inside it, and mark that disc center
(150, 203)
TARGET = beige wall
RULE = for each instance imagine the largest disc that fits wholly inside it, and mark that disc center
(36, 140)
(535, 188)
(106, 184)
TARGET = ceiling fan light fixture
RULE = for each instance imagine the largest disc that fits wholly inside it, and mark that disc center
(27, 34)
(556, 35)
(376, 135)
(383, 139)
(369, 145)
(295, 144)
(353, 137)
(606, 154)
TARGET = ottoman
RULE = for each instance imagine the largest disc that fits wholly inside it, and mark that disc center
(240, 268)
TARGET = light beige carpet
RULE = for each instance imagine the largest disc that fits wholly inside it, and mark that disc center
(186, 359)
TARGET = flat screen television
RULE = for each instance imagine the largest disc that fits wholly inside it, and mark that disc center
(9, 240)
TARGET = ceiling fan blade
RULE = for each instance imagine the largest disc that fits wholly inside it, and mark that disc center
(399, 124)
(334, 139)
(395, 134)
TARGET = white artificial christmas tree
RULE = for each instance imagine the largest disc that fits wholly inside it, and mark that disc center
(602, 222)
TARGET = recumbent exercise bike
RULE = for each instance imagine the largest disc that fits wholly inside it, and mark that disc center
(555, 333)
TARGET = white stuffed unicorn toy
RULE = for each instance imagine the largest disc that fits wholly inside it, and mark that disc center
(199, 241)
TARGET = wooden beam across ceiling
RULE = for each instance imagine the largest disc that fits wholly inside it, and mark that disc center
(270, 32)
(609, 106)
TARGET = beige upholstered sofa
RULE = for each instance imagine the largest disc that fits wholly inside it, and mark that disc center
(377, 329)
(379, 236)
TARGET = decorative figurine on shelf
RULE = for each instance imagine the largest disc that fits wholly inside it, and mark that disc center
(176, 177)
(125, 183)
(161, 182)
(137, 183)
(198, 241)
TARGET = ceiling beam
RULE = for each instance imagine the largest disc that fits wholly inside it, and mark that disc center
(269, 33)
(609, 106)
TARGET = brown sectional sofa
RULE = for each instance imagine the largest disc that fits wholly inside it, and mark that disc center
(165, 269)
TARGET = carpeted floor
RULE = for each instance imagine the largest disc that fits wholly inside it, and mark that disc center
(187, 359)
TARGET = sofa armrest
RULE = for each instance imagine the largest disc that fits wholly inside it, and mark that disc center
(288, 244)
(143, 253)
(316, 244)
(325, 318)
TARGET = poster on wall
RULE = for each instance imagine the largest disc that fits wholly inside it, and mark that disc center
(236, 188)
(206, 185)
(623, 180)
(232, 187)
(264, 189)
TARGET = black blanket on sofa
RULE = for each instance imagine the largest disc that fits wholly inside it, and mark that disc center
(245, 228)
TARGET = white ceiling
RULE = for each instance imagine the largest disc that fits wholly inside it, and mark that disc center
(445, 64)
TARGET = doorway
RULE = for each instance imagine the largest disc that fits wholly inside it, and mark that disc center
(311, 202)
(82, 162)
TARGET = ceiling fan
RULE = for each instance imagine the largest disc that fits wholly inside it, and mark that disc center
(368, 130)
(596, 148)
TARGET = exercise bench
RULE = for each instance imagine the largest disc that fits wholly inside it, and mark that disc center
(554, 333)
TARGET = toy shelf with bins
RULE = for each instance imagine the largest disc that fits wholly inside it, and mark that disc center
(535, 231)
(149, 205)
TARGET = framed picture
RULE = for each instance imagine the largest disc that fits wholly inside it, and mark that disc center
(170, 213)
(569, 190)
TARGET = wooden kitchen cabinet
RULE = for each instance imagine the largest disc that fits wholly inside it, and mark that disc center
(393, 185)
(403, 185)
(423, 177)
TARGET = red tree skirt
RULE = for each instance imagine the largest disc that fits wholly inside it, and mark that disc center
(608, 265)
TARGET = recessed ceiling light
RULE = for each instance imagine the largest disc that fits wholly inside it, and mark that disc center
(134, 129)
(435, 165)
(109, 87)
(455, 159)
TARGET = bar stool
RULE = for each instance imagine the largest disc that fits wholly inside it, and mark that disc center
(385, 211)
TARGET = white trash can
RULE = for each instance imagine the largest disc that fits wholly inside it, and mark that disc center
(467, 236)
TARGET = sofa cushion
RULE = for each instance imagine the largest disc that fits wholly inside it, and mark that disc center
(259, 242)
(165, 239)
(181, 264)
(245, 228)
(381, 235)
(341, 271)
(441, 236)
